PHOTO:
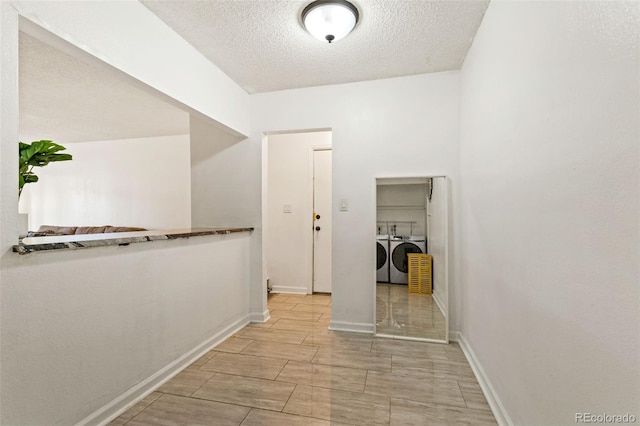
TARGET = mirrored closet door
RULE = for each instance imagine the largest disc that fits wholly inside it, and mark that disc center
(412, 258)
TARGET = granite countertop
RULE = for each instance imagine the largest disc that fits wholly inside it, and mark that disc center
(65, 242)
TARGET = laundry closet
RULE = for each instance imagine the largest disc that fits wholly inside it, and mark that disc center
(402, 225)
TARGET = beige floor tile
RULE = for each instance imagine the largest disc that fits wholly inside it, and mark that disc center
(298, 315)
(271, 418)
(338, 342)
(297, 325)
(276, 335)
(409, 348)
(248, 391)
(406, 413)
(282, 306)
(233, 345)
(453, 348)
(286, 351)
(310, 299)
(177, 410)
(457, 357)
(325, 318)
(403, 314)
(245, 365)
(418, 389)
(203, 359)
(137, 408)
(470, 387)
(304, 307)
(278, 297)
(324, 376)
(186, 382)
(352, 335)
(428, 383)
(338, 406)
(353, 359)
(473, 396)
(425, 367)
(268, 324)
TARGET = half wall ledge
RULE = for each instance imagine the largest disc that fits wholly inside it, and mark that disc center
(73, 242)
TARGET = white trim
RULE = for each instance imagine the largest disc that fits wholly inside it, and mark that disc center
(499, 412)
(288, 132)
(439, 302)
(128, 399)
(264, 151)
(413, 339)
(288, 289)
(260, 317)
(445, 312)
(356, 327)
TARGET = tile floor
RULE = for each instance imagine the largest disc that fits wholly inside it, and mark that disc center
(293, 371)
(399, 313)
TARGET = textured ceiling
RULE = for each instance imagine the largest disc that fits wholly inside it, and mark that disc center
(262, 46)
(259, 43)
(67, 100)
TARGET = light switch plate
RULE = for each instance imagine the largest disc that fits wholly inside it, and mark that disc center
(287, 208)
(344, 205)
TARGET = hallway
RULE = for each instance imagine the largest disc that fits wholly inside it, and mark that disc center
(294, 371)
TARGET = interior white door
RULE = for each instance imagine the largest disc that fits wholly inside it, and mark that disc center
(322, 221)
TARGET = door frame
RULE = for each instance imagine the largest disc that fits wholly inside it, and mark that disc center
(310, 214)
(446, 255)
(264, 222)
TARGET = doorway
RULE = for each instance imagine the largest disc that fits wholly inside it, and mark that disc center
(297, 211)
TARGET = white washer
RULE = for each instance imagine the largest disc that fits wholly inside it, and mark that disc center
(382, 258)
(399, 247)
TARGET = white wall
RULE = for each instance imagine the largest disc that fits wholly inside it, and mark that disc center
(62, 312)
(289, 238)
(144, 182)
(225, 191)
(169, 65)
(437, 239)
(396, 127)
(80, 328)
(399, 204)
(550, 177)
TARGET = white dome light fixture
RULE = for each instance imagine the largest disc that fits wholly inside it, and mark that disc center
(330, 20)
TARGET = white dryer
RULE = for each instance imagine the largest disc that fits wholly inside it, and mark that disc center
(399, 247)
(382, 258)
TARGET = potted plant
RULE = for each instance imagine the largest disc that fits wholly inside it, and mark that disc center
(37, 154)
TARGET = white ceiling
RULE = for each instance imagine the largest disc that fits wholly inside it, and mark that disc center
(259, 43)
(262, 46)
(67, 100)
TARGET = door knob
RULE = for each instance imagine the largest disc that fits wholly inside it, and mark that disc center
(317, 228)
(317, 216)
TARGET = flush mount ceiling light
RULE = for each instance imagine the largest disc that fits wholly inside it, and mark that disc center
(330, 20)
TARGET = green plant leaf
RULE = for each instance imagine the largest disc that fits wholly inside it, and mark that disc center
(37, 154)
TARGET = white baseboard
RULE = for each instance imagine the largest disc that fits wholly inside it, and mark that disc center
(128, 399)
(436, 297)
(356, 327)
(413, 339)
(499, 412)
(260, 317)
(287, 289)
